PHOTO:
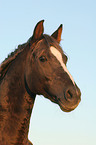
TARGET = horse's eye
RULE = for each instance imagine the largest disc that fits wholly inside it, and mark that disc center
(43, 58)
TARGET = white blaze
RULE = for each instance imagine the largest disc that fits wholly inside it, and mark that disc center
(58, 56)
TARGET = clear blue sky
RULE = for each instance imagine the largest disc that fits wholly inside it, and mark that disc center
(49, 125)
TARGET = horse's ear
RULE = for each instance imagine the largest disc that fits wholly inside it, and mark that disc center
(38, 31)
(57, 33)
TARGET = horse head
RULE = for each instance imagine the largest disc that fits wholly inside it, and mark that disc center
(46, 72)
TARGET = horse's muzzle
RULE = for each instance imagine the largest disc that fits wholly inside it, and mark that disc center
(72, 97)
(72, 93)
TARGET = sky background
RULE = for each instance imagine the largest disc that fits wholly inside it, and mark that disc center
(49, 125)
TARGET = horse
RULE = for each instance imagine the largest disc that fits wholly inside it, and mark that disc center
(37, 67)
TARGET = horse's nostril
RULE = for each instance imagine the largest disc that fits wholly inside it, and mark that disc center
(68, 95)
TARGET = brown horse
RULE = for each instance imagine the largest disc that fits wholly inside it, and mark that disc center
(36, 67)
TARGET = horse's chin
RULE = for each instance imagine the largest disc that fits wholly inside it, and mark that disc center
(66, 108)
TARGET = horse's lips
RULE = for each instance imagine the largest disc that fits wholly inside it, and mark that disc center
(67, 109)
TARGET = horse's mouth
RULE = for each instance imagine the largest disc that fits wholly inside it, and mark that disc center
(63, 104)
(66, 108)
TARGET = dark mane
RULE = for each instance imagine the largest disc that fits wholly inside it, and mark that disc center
(6, 63)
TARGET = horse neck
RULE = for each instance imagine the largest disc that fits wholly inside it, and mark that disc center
(15, 105)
